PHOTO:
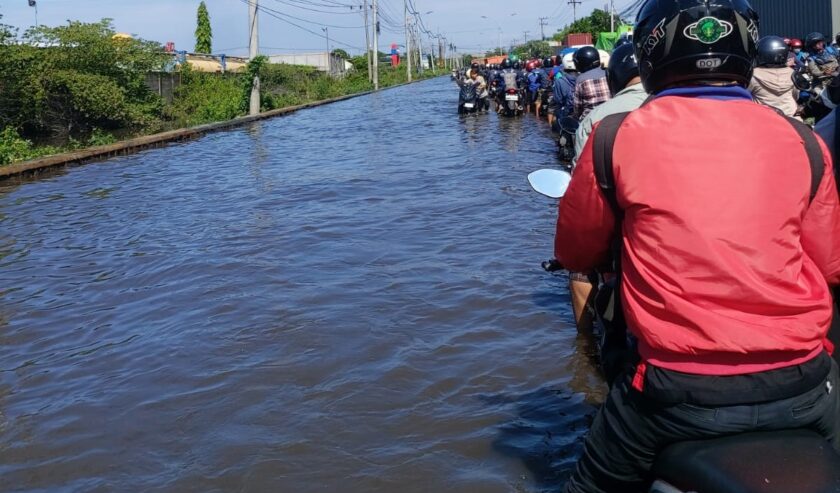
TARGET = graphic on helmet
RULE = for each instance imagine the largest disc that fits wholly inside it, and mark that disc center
(708, 30)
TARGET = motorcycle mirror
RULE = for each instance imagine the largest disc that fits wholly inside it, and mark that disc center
(552, 183)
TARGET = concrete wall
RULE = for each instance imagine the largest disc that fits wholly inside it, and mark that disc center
(320, 61)
(163, 84)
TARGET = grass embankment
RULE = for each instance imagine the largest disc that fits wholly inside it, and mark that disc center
(208, 98)
(75, 86)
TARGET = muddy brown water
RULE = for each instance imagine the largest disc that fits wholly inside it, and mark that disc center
(345, 299)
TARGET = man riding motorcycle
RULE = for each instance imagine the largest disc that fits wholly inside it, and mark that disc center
(592, 88)
(727, 233)
(536, 78)
(508, 79)
(821, 62)
(772, 81)
(563, 91)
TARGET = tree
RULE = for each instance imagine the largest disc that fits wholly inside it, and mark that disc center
(203, 31)
(67, 80)
(341, 54)
(533, 49)
(596, 23)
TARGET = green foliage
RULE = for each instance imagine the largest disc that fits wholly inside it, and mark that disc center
(341, 53)
(14, 148)
(63, 81)
(596, 23)
(533, 49)
(495, 52)
(101, 138)
(76, 84)
(360, 63)
(206, 97)
(203, 31)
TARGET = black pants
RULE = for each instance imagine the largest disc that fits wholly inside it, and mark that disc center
(631, 429)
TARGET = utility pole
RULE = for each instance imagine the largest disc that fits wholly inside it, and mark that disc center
(418, 40)
(375, 45)
(543, 23)
(612, 16)
(526, 36)
(254, 49)
(329, 56)
(407, 41)
(34, 3)
(574, 4)
(367, 45)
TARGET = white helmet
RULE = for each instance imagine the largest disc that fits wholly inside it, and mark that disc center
(569, 62)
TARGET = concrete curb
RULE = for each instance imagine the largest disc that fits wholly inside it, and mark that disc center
(138, 144)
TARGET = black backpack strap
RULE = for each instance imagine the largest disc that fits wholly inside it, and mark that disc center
(603, 145)
(815, 154)
(835, 151)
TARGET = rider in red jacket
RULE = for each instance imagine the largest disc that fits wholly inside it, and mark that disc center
(726, 259)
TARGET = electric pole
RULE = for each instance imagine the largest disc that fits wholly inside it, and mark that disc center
(526, 36)
(367, 45)
(407, 41)
(574, 4)
(254, 48)
(543, 23)
(375, 45)
(612, 16)
(329, 56)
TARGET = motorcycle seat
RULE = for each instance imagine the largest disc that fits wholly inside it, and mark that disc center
(796, 461)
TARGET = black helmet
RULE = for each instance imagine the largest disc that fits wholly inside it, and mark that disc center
(474, 65)
(586, 59)
(506, 64)
(772, 52)
(680, 41)
(811, 41)
(517, 65)
(622, 68)
(548, 63)
(623, 40)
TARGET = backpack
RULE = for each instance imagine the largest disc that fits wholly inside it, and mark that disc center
(510, 79)
(534, 82)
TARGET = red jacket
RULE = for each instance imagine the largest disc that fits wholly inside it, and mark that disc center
(724, 260)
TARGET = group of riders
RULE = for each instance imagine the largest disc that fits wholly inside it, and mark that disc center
(716, 221)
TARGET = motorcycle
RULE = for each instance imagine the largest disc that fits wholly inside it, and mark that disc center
(811, 93)
(762, 462)
(567, 128)
(467, 99)
(545, 101)
(512, 99)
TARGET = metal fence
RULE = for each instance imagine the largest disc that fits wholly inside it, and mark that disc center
(795, 18)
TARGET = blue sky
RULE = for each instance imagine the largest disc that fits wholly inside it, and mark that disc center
(174, 20)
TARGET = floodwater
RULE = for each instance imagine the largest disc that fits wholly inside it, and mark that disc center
(346, 299)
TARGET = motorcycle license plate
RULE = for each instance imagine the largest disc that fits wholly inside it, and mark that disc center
(511, 97)
(469, 105)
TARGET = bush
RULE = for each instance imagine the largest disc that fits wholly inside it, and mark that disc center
(205, 98)
(64, 81)
(14, 148)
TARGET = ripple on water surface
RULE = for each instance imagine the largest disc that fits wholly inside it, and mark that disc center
(344, 299)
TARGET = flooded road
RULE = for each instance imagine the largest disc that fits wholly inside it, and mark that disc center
(345, 299)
